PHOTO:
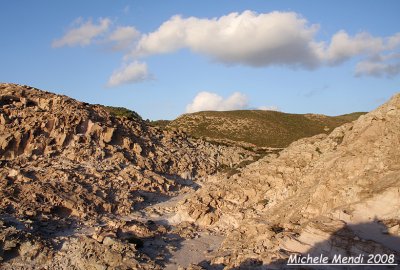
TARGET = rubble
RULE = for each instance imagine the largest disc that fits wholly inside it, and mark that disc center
(76, 182)
(326, 193)
(67, 166)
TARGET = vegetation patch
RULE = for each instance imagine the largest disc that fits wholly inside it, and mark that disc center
(123, 112)
(255, 127)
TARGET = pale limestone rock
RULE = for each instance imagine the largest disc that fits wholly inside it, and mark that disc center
(346, 183)
(67, 164)
(137, 148)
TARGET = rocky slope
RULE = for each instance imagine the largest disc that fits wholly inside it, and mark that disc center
(331, 194)
(70, 172)
(81, 188)
(255, 127)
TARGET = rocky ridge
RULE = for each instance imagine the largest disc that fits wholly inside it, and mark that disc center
(70, 171)
(331, 194)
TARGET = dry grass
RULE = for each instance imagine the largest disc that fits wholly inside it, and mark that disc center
(261, 128)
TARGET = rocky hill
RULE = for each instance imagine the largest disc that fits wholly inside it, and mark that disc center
(328, 194)
(88, 187)
(259, 128)
(71, 171)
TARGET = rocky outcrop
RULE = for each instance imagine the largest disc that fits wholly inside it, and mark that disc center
(67, 166)
(74, 180)
(331, 190)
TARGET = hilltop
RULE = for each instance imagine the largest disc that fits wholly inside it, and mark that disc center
(256, 127)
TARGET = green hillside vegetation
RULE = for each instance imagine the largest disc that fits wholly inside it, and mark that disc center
(160, 123)
(122, 112)
(260, 128)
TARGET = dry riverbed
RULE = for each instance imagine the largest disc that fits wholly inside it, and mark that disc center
(173, 250)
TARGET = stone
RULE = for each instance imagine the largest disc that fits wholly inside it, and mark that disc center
(137, 148)
(3, 119)
(109, 241)
(311, 188)
(67, 166)
(76, 182)
(394, 230)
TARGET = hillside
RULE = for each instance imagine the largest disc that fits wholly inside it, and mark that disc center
(326, 194)
(88, 187)
(72, 174)
(122, 112)
(261, 128)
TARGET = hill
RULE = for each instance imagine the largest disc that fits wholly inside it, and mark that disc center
(72, 174)
(88, 187)
(329, 194)
(260, 128)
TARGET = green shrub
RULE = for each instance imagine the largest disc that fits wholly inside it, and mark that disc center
(123, 112)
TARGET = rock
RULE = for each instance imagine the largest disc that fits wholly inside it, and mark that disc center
(3, 119)
(394, 230)
(108, 241)
(308, 192)
(72, 176)
(108, 135)
(66, 164)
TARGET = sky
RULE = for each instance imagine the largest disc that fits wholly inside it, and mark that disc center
(165, 58)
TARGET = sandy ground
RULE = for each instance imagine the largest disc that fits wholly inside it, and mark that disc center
(177, 250)
(194, 250)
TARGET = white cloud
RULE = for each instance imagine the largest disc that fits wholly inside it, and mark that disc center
(393, 41)
(207, 101)
(380, 66)
(247, 38)
(83, 33)
(129, 73)
(252, 39)
(238, 38)
(268, 108)
(123, 37)
(344, 47)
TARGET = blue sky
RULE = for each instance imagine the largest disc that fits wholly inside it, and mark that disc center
(329, 57)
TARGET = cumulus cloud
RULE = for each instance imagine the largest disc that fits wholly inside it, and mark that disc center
(207, 101)
(123, 37)
(238, 38)
(259, 40)
(82, 33)
(343, 47)
(393, 41)
(247, 38)
(380, 66)
(129, 73)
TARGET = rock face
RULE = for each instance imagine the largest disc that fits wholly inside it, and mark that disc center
(330, 194)
(68, 165)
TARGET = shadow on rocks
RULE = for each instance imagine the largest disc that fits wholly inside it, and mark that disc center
(18, 235)
(372, 239)
(360, 242)
(160, 248)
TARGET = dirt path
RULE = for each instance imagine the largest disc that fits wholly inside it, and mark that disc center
(177, 251)
(194, 250)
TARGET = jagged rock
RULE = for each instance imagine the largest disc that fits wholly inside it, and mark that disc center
(66, 164)
(73, 176)
(316, 191)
